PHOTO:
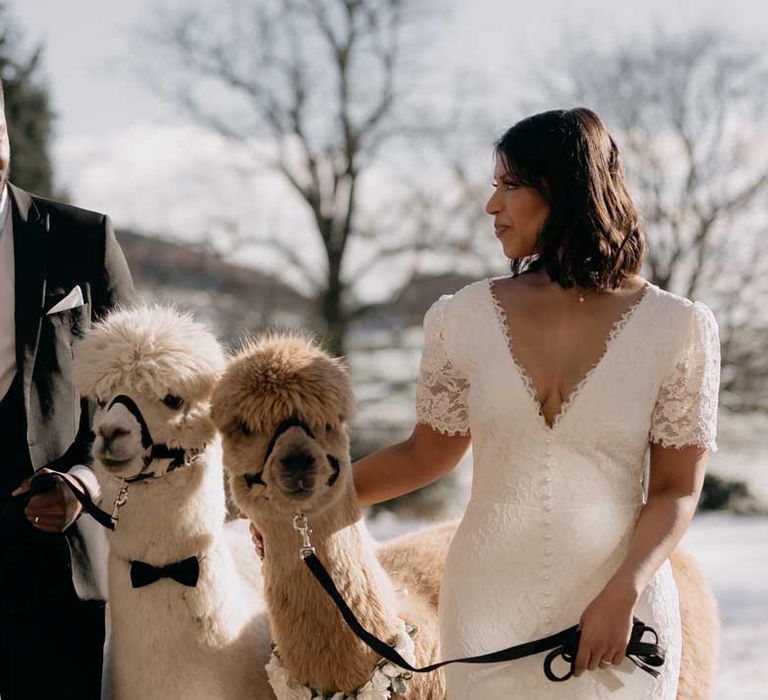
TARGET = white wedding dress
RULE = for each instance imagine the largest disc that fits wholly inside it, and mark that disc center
(552, 509)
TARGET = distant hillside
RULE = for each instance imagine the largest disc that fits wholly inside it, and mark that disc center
(235, 298)
(409, 309)
(232, 297)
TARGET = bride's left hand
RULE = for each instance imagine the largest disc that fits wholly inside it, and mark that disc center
(606, 627)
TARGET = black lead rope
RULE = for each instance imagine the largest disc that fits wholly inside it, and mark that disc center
(565, 643)
(178, 456)
(41, 483)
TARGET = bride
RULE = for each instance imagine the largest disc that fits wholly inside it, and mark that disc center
(561, 375)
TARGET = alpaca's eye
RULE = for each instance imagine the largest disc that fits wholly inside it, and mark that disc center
(244, 428)
(328, 427)
(172, 401)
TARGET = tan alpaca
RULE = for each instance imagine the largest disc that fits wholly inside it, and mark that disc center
(266, 383)
(283, 376)
(700, 618)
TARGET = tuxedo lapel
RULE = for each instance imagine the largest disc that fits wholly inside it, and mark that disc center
(30, 253)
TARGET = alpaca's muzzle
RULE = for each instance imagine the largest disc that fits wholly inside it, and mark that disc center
(297, 464)
(297, 472)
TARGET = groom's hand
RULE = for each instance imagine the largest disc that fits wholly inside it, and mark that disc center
(53, 511)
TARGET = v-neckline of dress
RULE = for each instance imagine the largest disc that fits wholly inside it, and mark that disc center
(614, 332)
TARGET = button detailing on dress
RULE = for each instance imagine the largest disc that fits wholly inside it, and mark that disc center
(547, 495)
(593, 496)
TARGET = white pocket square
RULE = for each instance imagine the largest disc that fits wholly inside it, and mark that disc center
(71, 301)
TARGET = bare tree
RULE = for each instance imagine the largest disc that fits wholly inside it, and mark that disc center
(326, 83)
(27, 107)
(690, 114)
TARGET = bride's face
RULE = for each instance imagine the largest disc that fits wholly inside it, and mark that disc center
(519, 212)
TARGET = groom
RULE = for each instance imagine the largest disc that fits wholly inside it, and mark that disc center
(60, 268)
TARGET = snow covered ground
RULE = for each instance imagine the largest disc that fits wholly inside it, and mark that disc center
(733, 552)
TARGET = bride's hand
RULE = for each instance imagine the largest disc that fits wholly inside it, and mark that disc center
(256, 538)
(606, 627)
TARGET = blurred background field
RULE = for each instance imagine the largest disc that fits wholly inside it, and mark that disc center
(324, 164)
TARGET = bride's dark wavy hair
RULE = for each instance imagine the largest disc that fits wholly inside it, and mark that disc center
(592, 236)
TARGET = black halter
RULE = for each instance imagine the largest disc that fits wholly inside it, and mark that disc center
(46, 481)
(292, 422)
(177, 455)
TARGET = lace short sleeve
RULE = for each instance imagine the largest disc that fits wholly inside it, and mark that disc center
(685, 413)
(441, 392)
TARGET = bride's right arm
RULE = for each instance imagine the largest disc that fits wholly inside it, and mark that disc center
(441, 436)
(409, 465)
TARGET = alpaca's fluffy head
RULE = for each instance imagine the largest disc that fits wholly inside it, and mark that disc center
(274, 468)
(166, 363)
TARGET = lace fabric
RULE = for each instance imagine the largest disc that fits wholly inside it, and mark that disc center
(441, 393)
(685, 413)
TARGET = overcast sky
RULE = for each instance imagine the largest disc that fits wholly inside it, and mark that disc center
(88, 43)
(119, 149)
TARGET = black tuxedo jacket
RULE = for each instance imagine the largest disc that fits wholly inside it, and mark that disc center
(56, 247)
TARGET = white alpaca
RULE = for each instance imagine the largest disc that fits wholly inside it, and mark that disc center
(170, 640)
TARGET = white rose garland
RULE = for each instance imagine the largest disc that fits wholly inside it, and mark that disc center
(386, 678)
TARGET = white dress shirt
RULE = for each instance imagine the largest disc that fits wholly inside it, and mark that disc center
(8, 327)
(7, 296)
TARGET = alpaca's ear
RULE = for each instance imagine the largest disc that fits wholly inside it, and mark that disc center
(347, 396)
(347, 415)
(216, 414)
(220, 412)
(348, 401)
(210, 387)
(214, 398)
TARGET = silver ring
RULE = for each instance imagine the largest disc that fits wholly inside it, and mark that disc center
(37, 519)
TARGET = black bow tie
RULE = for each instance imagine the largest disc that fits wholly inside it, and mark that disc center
(186, 572)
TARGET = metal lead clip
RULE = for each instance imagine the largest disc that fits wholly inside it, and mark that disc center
(301, 526)
(122, 497)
